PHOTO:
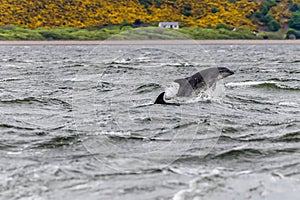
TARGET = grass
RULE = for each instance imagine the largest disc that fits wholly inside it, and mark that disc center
(18, 33)
(129, 33)
(208, 33)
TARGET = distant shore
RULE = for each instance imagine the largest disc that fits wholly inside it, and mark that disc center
(150, 42)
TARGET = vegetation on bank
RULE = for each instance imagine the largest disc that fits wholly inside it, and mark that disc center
(100, 19)
(253, 15)
(145, 33)
(95, 13)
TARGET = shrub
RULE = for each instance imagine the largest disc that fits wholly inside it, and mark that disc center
(263, 14)
(146, 3)
(137, 22)
(271, 35)
(223, 26)
(267, 18)
(292, 32)
(214, 10)
(266, 5)
(274, 25)
(187, 10)
(126, 26)
(294, 22)
(295, 7)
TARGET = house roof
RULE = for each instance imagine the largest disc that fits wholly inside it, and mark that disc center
(169, 23)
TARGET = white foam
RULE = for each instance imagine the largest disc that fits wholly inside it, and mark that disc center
(215, 93)
(193, 190)
(248, 83)
(117, 134)
(113, 133)
(171, 91)
(289, 104)
(225, 185)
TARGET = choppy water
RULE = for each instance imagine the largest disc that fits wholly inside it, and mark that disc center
(77, 122)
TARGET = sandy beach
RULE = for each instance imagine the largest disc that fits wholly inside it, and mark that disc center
(153, 42)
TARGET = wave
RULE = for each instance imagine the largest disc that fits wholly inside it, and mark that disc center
(122, 67)
(294, 72)
(19, 100)
(225, 183)
(32, 100)
(283, 79)
(263, 84)
(249, 100)
(4, 146)
(130, 61)
(238, 152)
(121, 61)
(58, 141)
(293, 61)
(289, 104)
(185, 125)
(16, 127)
(120, 134)
(11, 79)
(276, 86)
(147, 87)
(289, 137)
(126, 135)
(105, 86)
(178, 65)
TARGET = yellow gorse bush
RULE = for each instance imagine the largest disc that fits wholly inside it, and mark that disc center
(93, 13)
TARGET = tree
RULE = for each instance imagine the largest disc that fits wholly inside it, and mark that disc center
(187, 10)
(267, 18)
(292, 33)
(214, 10)
(294, 22)
(137, 22)
(274, 25)
(146, 3)
(295, 7)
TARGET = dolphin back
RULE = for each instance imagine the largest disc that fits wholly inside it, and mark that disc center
(198, 82)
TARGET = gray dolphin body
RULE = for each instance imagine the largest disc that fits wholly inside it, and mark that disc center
(194, 84)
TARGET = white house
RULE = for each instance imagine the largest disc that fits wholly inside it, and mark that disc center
(173, 25)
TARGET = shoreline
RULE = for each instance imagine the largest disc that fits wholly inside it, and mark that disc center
(146, 42)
